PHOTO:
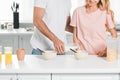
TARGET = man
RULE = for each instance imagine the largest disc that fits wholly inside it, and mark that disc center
(50, 18)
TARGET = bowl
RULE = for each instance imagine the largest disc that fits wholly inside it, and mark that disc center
(48, 55)
(81, 54)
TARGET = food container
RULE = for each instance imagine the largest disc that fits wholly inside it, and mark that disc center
(48, 55)
(81, 54)
(20, 54)
(112, 49)
(8, 55)
(10, 26)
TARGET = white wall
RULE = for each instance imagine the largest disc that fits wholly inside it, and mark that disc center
(26, 9)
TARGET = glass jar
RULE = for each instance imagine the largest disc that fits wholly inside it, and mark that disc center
(8, 55)
(0, 53)
(112, 49)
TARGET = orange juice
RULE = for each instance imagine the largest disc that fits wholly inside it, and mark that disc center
(0, 56)
(8, 58)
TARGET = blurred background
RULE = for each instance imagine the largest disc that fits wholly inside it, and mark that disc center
(26, 9)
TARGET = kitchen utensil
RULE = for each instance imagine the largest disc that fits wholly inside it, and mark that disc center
(12, 8)
(73, 50)
(41, 50)
(15, 7)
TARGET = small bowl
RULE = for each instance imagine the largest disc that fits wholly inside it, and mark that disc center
(48, 55)
(81, 54)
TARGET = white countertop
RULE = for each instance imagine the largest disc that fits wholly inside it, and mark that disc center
(61, 64)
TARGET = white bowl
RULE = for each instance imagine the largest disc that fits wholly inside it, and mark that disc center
(81, 54)
(48, 55)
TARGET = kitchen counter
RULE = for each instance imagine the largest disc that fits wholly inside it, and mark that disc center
(61, 64)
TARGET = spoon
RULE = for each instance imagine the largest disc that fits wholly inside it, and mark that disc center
(41, 50)
(73, 50)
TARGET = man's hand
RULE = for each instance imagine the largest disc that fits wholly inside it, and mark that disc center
(59, 46)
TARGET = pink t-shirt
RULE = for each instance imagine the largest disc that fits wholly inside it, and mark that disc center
(91, 28)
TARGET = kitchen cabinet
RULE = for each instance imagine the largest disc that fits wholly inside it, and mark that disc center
(64, 67)
(34, 77)
(9, 40)
(25, 77)
(24, 42)
(85, 77)
(7, 76)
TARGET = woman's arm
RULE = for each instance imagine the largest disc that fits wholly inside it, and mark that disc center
(75, 39)
(113, 32)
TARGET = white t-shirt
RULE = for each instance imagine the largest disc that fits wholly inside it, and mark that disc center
(55, 17)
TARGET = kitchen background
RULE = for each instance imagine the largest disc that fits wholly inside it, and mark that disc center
(26, 9)
(26, 18)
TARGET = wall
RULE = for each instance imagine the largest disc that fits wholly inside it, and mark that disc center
(26, 9)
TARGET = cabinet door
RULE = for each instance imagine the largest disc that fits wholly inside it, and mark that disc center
(85, 77)
(9, 40)
(24, 42)
(34, 77)
(7, 77)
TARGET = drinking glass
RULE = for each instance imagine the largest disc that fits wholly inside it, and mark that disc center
(8, 55)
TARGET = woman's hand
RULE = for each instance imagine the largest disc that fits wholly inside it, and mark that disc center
(103, 53)
(76, 41)
(113, 33)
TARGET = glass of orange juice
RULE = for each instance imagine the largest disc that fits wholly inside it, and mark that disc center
(0, 53)
(8, 55)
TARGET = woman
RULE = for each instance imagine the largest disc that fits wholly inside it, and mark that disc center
(89, 27)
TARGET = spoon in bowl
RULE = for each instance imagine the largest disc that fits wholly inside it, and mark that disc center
(73, 50)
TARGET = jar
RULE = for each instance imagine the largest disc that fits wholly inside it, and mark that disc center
(112, 49)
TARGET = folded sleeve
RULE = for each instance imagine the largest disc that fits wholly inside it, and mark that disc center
(40, 3)
(109, 22)
(73, 22)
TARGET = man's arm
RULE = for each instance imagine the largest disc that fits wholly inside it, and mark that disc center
(68, 27)
(42, 27)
